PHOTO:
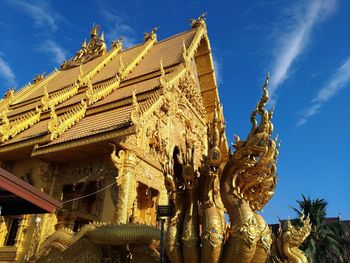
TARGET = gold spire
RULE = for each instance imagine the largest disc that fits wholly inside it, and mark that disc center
(94, 30)
(84, 44)
(102, 37)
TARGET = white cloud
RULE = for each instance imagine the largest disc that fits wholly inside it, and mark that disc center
(338, 81)
(218, 71)
(6, 73)
(41, 14)
(294, 37)
(117, 28)
(45, 19)
(51, 47)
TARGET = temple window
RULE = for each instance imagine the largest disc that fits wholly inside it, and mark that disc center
(12, 224)
(146, 204)
(83, 206)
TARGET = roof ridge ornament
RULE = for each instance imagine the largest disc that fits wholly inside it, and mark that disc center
(10, 129)
(200, 21)
(136, 112)
(39, 77)
(95, 48)
(118, 44)
(151, 35)
(59, 124)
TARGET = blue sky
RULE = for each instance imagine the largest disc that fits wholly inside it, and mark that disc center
(305, 45)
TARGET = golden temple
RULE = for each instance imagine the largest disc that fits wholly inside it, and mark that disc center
(116, 132)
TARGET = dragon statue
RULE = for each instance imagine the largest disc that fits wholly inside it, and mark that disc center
(285, 248)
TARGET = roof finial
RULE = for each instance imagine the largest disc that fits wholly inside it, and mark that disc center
(152, 35)
(200, 21)
(83, 46)
(102, 37)
(94, 30)
(118, 43)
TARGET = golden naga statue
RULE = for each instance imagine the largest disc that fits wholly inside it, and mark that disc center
(285, 249)
(243, 187)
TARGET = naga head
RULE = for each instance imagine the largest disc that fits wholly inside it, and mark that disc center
(256, 157)
(294, 236)
(186, 159)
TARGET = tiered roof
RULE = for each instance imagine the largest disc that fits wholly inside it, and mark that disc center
(93, 102)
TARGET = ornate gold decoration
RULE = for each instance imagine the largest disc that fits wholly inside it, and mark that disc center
(95, 94)
(59, 96)
(8, 99)
(101, 91)
(125, 163)
(10, 129)
(152, 35)
(136, 110)
(174, 140)
(200, 21)
(255, 181)
(191, 91)
(247, 184)
(85, 79)
(58, 124)
(293, 237)
(249, 231)
(95, 48)
(3, 231)
(39, 77)
(31, 88)
(285, 247)
(9, 95)
(97, 233)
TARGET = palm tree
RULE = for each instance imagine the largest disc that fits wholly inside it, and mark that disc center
(327, 242)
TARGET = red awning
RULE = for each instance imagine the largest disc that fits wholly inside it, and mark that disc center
(18, 197)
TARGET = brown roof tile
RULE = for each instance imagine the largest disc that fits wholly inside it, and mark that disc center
(32, 132)
(170, 50)
(102, 122)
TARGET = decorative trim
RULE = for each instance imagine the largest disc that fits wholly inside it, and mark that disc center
(10, 129)
(59, 96)
(58, 125)
(83, 141)
(31, 88)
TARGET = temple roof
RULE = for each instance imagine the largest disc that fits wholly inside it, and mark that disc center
(91, 97)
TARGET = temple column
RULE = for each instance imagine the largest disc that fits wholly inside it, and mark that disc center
(3, 231)
(21, 236)
(125, 162)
